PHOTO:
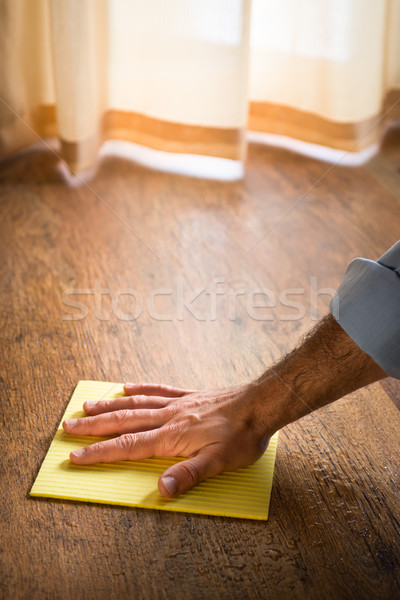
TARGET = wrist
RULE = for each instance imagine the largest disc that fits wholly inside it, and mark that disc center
(280, 399)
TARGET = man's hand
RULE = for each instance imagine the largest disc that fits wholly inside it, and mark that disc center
(218, 431)
(226, 429)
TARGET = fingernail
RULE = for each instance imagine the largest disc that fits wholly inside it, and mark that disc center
(71, 422)
(78, 453)
(171, 484)
(129, 384)
(90, 403)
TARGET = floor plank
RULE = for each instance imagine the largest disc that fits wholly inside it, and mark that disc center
(385, 166)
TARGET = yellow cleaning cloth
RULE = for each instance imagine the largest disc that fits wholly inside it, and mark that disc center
(243, 493)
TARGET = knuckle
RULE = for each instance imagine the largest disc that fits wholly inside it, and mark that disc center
(163, 442)
(190, 472)
(88, 422)
(133, 401)
(136, 400)
(161, 388)
(168, 441)
(127, 442)
(101, 406)
(193, 419)
(174, 409)
(121, 416)
(168, 412)
(94, 451)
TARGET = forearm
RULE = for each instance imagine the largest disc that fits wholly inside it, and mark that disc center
(325, 366)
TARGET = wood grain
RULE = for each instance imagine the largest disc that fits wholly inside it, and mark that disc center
(333, 530)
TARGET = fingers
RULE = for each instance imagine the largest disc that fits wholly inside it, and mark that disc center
(154, 389)
(184, 475)
(131, 446)
(117, 422)
(124, 402)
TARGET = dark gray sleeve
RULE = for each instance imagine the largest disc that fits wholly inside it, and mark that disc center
(367, 307)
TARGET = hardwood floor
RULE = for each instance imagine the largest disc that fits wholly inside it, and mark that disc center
(293, 223)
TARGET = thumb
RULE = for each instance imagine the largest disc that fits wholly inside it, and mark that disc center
(183, 476)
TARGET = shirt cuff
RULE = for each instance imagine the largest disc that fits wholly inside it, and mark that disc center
(367, 307)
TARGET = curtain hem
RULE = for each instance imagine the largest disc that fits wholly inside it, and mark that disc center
(179, 138)
(265, 117)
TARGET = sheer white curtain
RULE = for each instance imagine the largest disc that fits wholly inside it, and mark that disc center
(325, 72)
(183, 83)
